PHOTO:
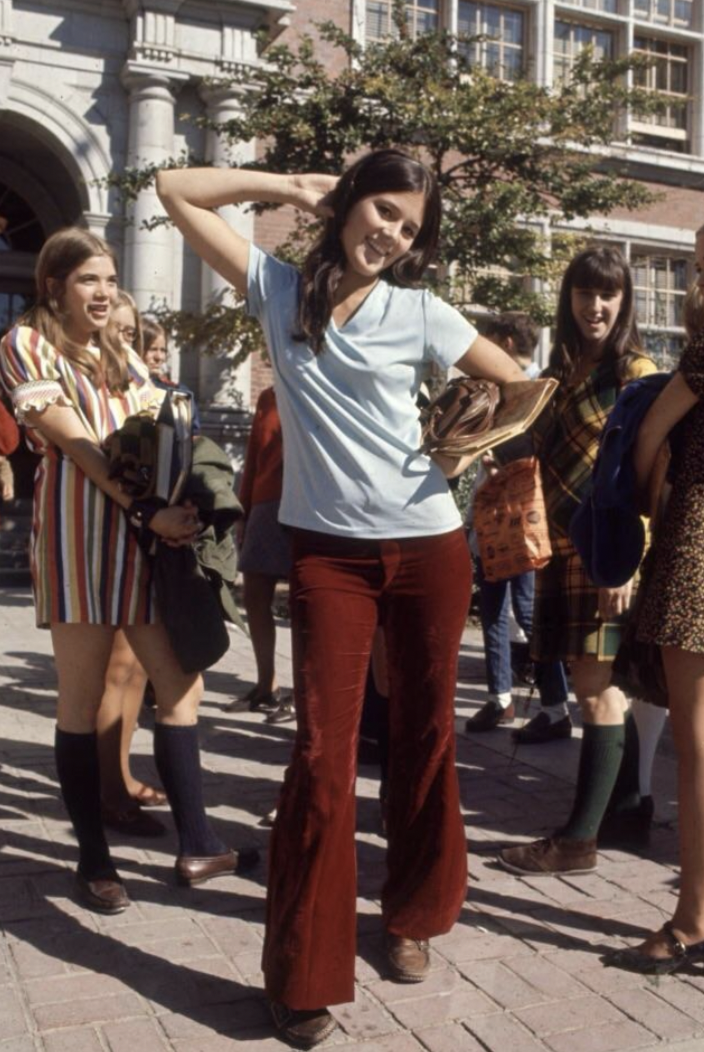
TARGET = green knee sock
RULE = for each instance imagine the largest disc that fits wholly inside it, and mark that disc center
(626, 793)
(599, 762)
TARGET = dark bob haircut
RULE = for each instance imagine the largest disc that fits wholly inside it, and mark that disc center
(383, 171)
(600, 267)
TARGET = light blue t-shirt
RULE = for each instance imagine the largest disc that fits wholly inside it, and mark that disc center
(350, 423)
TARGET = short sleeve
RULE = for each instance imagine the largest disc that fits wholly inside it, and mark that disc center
(448, 334)
(267, 277)
(640, 366)
(29, 371)
(692, 365)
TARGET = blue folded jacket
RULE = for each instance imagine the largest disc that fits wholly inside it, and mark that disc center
(607, 529)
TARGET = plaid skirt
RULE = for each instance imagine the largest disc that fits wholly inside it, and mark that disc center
(566, 622)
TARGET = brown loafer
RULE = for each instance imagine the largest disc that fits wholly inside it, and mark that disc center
(102, 896)
(190, 871)
(302, 1027)
(553, 855)
(409, 958)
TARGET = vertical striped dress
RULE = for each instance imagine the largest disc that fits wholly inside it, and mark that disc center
(86, 565)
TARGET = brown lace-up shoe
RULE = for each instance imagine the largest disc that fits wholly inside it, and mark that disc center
(552, 856)
(409, 958)
(302, 1028)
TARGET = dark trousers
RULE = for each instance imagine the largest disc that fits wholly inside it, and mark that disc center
(341, 588)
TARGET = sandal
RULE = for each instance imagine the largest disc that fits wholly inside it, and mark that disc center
(634, 960)
(302, 1027)
(149, 796)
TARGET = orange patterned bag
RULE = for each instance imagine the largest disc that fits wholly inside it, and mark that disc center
(510, 521)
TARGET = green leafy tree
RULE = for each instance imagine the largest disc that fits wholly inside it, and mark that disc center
(510, 156)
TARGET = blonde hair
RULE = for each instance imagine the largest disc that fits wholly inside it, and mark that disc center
(123, 299)
(61, 254)
(693, 311)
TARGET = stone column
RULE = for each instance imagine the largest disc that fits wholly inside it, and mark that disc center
(148, 271)
(221, 385)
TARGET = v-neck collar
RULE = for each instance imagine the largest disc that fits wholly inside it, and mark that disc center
(357, 310)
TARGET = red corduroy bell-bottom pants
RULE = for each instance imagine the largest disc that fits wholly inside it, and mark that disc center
(419, 589)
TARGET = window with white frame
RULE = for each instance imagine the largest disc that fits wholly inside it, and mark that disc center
(668, 76)
(665, 12)
(502, 53)
(570, 38)
(660, 286)
(422, 16)
(609, 7)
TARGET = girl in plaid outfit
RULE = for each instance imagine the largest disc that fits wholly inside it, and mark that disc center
(597, 351)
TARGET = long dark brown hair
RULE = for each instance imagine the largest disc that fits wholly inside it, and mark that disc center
(383, 171)
(600, 267)
(61, 254)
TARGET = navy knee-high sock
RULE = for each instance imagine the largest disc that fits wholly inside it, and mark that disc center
(78, 769)
(178, 763)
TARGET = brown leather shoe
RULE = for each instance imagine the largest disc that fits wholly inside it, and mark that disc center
(490, 715)
(102, 896)
(190, 871)
(302, 1027)
(409, 958)
(554, 855)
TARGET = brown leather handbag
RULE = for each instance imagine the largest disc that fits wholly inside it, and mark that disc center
(465, 409)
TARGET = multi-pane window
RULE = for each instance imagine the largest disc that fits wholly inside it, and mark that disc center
(502, 53)
(668, 77)
(571, 38)
(422, 16)
(610, 7)
(666, 12)
(660, 286)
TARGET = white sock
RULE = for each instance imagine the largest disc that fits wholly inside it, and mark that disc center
(504, 700)
(650, 720)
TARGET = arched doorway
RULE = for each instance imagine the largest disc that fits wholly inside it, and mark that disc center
(37, 196)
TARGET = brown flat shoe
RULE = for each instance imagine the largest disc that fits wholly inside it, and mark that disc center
(102, 896)
(553, 855)
(409, 959)
(302, 1027)
(490, 716)
(191, 871)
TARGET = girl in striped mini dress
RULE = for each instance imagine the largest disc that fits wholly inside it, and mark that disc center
(72, 382)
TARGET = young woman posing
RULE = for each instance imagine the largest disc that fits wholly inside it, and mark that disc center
(597, 351)
(376, 538)
(672, 618)
(72, 381)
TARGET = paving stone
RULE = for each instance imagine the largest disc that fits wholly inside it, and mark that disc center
(568, 1014)
(611, 1037)
(655, 1014)
(138, 1035)
(14, 1023)
(464, 1003)
(66, 988)
(81, 1012)
(452, 1038)
(20, 1044)
(499, 1033)
(84, 1040)
(364, 1020)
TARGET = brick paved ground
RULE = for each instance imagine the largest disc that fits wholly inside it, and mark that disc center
(180, 969)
